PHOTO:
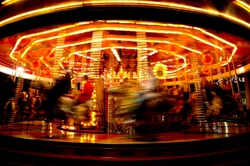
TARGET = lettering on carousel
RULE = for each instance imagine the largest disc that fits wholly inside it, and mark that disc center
(240, 79)
(233, 79)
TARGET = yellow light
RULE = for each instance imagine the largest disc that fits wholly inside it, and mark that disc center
(121, 29)
(116, 54)
(149, 3)
(87, 57)
(36, 34)
(121, 39)
(40, 11)
(120, 47)
(162, 69)
(88, 30)
(243, 5)
(9, 2)
(55, 37)
(130, 29)
(124, 2)
(168, 5)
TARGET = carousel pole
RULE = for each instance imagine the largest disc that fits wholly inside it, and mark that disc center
(39, 75)
(58, 54)
(199, 105)
(231, 82)
(187, 82)
(179, 75)
(15, 66)
(247, 90)
(111, 70)
(237, 82)
(95, 63)
(142, 57)
(19, 88)
(14, 70)
(72, 65)
(210, 73)
(96, 54)
(217, 55)
(72, 58)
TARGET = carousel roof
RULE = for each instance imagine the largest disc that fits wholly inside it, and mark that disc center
(173, 43)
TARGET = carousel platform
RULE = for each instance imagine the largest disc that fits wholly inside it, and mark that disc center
(43, 143)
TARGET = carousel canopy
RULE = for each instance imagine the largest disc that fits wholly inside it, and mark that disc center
(175, 34)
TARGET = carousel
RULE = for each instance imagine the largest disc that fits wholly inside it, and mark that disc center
(131, 82)
(120, 58)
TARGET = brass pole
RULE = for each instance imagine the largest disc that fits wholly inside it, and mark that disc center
(229, 70)
(237, 81)
(210, 73)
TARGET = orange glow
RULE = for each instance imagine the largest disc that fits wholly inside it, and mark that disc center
(37, 34)
(121, 29)
(222, 40)
(132, 48)
(123, 39)
(144, 23)
(102, 48)
(73, 5)
(179, 56)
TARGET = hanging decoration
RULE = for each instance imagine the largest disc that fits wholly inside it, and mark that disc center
(205, 70)
(160, 71)
(36, 64)
(208, 59)
(129, 53)
(47, 72)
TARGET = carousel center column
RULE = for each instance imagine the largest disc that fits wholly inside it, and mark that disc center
(58, 54)
(199, 107)
(142, 57)
(94, 72)
(247, 90)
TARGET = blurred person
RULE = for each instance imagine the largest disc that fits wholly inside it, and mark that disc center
(148, 96)
(84, 102)
(61, 87)
(8, 99)
(214, 107)
(86, 91)
(226, 87)
(22, 101)
(206, 91)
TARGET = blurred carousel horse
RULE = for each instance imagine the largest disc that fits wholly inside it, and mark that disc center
(221, 105)
(75, 113)
(138, 103)
(51, 95)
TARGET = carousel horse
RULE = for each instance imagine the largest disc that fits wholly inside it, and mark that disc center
(220, 104)
(50, 96)
(59, 101)
(230, 107)
(146, 110)
(30, 108)
(75, 113)
(139, 104)
(52, 102)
